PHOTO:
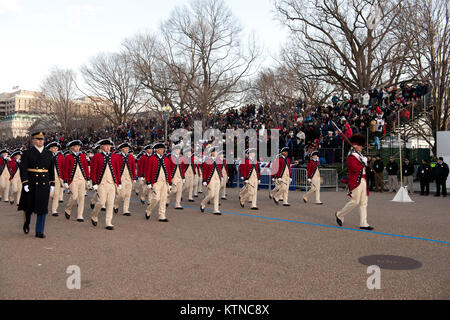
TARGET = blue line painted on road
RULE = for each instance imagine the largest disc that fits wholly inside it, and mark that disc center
(318, 225)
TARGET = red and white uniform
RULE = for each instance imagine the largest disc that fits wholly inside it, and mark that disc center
(313, 173)
(75, 167)
(158, 174)
(4, 179)
(212, 177)
(15, 182)
(106, 177)
(189, 175)
(250, 173)
(127, 176)
(281, 174)
(76, 175)
(358, 188)
(58, 160)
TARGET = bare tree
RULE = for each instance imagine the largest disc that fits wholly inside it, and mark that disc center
(351, 44)
(288, 84)
(57, 107)
(426, 30)
(114, 90)
(151, 68)
(204, 51)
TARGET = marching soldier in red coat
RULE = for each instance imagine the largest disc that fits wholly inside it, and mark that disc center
(106, 181)
(198, 181)
(58, 159)
(76, 176)
(281, 175)
(189, 173)
(142, 167)
(94, 198)
(212, 176)
(357, 183)
(177, 172)
(225, 175)
(128, 175)
(313, 173)
(249, 171)
(5, 174)
(159, 181)
(16, 184)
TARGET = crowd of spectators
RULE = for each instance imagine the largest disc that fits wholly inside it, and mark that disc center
(372, 112)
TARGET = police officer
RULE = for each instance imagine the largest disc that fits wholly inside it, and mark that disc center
(392, 169)
(408, 175)
(425, 175)
(378, 168)
(441, 175)
(38, 180)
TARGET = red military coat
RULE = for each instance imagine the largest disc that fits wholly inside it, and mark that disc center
(70, 166)
(209, 166)
(174, 165)
(142, 165)
(224, 165)
(312, 167)
(99, 164)
(12, 166)
(245, 169)
(279, 166)
(3, 164)
(59, 164)
(130, 163)
(355, 173)
(153, 169)
(188, 164)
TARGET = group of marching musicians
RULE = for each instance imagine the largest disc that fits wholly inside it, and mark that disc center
(44, 172)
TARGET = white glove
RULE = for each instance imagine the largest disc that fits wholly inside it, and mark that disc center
(205, 184)
(66, 185)
(309, 180)
(149, 186)
(259, 181)
(141, 178)
(170, 188)
(280, 180)
(119, 187)
(290, 180)
(95, 187)
(52, 188)
(246, 181)
(184, 181)
(26, 188)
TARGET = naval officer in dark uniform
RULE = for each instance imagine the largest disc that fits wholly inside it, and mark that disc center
(38, 180)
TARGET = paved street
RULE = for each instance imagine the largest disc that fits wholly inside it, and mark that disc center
(273, 253)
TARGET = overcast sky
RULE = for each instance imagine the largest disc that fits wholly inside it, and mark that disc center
(38, 34)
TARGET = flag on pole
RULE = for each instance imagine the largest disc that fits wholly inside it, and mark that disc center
(16, 88)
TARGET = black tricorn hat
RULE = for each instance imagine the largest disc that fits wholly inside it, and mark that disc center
(74, 143)
(285, 149)
(53, 144)
(315, 153)
(124, 145)
(16, 152)
(104, 142)
(159, 146)
(358, 139)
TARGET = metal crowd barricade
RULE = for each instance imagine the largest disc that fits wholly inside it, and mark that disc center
(299, 179)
